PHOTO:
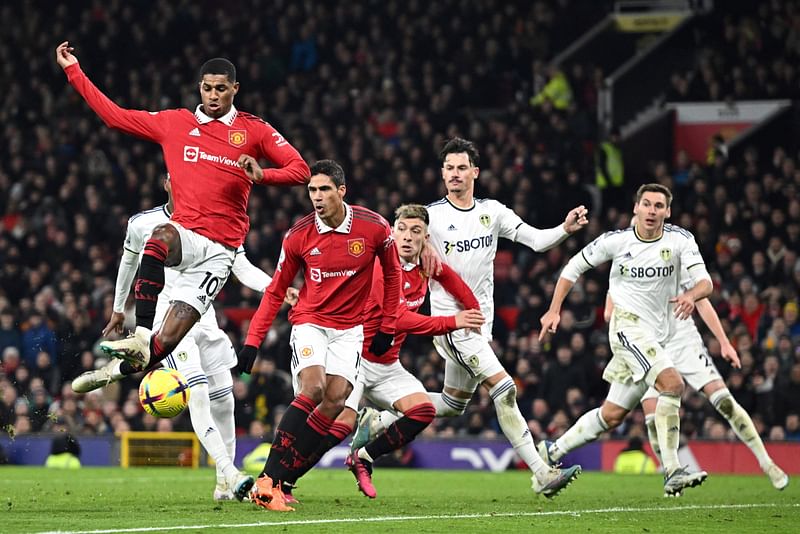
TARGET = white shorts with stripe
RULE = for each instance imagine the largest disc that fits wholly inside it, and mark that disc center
(204, 268)
(338, 351)
(383, 385)
(469, 359)
(637, 354)
(692, 361)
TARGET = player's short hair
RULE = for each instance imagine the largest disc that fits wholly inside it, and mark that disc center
(458, 145)
(329, 168)
(411, 211)
(219, 65)
(654, 188)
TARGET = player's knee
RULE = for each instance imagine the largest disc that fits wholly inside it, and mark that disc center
(169, 236)
(612, 414)
(669, 381)
(314, 391)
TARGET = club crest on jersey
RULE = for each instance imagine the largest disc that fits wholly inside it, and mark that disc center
(356, 247)
(182, 356)
(307, 351)
(651, 353)
(666, 254)
(237, 137)
(485, 220)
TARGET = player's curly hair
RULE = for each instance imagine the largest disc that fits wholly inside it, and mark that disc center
(219, 65)
(457, 145)
(329, 168)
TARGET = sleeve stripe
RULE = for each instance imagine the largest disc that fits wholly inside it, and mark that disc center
(695, 265)
(587, 261)
(132, 251)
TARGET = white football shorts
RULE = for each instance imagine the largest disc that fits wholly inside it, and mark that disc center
(469, 359)
(637, 354)
(338, 351)
(383, 385)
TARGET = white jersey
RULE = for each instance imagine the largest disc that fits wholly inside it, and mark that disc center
(645, 274)
(466, 239)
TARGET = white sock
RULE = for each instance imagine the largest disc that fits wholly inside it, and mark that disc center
(668, 429)
(116, 373)
(652, 435)
(364, 455)
(586, 429)
(447, 405)
(206, 429)
(220, 393)
(514, 426)
(741, 424)
(387, 417)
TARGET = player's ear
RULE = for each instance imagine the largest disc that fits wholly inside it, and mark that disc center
(235, 87)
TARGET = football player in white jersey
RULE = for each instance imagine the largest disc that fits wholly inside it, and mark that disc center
(204, 356)
(643, 283)
(464, 232)
(692, 360)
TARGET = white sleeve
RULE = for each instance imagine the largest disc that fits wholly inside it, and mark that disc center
(540, 240)
(125, 275)
(250, 275)
(575, 267)
(598, 251)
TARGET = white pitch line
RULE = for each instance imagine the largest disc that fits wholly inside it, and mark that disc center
(435, 517)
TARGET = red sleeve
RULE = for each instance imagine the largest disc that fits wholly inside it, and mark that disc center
(288, 265)
(423, 325)
(392, 279)
(290, 169)
(145, 124)
(453, 284)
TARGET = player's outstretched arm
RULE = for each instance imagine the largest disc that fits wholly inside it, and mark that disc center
(709, 315)
(541, 240)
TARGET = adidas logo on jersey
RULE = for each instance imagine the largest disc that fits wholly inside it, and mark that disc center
(451, 228)
(195, 133)
(201, 298)
(407, 285)
(315, 252)
(627, 256)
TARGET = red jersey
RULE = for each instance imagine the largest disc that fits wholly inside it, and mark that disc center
(209, 189)
(338, 264)
(415, 288)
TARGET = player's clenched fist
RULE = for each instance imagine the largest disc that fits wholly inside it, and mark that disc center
(576, 219)
(251, 168)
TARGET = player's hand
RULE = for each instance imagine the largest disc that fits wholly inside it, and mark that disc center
(576, 219)
(729, 353)
(381, 343)
(684, 306)
(114, 324)
(64, 55)
(251, 168)
(431, 262)
(549, 322)
(292, 296)
(470, 319)
(245, 359)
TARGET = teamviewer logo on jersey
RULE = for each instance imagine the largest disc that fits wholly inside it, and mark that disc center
(191, 153)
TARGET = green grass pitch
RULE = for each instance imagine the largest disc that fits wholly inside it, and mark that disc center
(96, 500)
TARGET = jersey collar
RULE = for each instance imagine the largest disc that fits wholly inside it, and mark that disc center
(168, 213)
(643, 240)
(343, 228)
(227, 119)
(407, 265)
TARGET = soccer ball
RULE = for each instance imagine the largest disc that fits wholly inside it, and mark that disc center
(164, 392)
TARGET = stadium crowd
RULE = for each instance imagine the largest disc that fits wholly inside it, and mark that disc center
(381, 101)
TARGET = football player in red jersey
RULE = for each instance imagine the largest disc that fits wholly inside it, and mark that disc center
(210, 154)
(382, 378)
(336, 246)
